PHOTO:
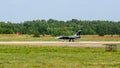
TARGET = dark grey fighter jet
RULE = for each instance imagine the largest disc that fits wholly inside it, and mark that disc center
(71, 38)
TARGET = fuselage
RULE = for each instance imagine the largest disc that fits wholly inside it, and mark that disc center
(68, 37)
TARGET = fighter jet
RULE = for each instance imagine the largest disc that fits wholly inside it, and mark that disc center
(71, 38)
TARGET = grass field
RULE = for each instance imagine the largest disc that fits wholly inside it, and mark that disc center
(57, 57)
(14, 37)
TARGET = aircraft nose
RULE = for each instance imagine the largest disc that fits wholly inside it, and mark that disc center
(57, 37)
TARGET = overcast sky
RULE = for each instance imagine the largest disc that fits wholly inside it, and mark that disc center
(23, 10)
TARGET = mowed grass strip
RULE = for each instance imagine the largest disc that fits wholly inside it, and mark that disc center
(14, 37)
(57, 57)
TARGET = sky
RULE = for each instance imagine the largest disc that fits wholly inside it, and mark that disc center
(24, 10)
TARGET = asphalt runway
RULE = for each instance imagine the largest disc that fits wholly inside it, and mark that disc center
(54, 43)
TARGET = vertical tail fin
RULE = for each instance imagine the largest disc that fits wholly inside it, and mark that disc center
(78, 33)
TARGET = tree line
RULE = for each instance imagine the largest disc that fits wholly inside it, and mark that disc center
(56, 27)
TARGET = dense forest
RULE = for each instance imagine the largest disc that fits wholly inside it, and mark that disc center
(56, 27)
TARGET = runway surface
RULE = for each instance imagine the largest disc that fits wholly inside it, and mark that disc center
(54, 43)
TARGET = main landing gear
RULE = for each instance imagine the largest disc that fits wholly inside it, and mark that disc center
(71, 40)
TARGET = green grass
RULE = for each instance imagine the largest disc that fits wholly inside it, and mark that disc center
(57, 57)
(14, 37)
